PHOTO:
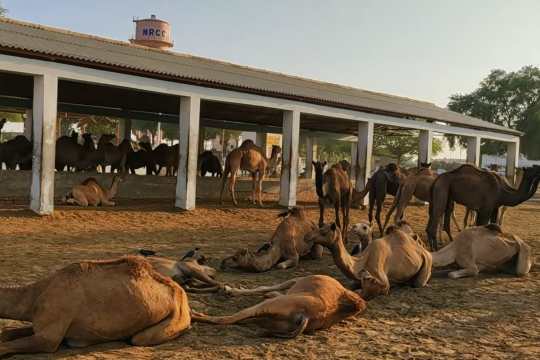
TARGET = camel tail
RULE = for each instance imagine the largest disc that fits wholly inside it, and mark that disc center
(445, 256)
(524, 257)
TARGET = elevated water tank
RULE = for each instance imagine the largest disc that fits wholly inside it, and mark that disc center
(152, 32)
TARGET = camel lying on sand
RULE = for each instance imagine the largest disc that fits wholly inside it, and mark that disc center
(311, 303)
(287, 246)
(89, 192)
(190, 271)
(485, 249)
(92, 302)
(396, 258)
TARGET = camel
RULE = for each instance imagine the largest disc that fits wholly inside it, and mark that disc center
(274, 163)
(209, 163)
(361, 235)
(485, 249)
(384, 180)
(190, 271)
(476, 189)
(141, 158)
(333, 189)
(168, 157)
(248, 157)
(286, 247)
(89, 192)
(417, 184)
(68, 152)
(311, 303)
(396, 258)
(92, 302)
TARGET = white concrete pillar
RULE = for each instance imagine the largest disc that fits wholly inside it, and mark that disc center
(44, 130)
(158, 133)
(363, 155)
(473, 150)
(512, 159)
(126, 128)
(289, 167)
(261, 141)
(425, 146)
(186, 183)
(354, 152)
(311, 148)
(28, 124)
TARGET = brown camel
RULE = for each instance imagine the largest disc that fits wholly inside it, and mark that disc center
(485, 249)
(334, 189)
(476, 189)
(396, 258)
(89, 192)
(274, 163)
(190, 271)
(417, 184)
(286, 247)
(92, 302)
(360, 235)
(311, 303)
(248, 157)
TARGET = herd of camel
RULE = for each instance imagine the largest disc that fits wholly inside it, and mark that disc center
(143, 298)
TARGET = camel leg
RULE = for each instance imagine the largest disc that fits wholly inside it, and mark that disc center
(454, 219)
(321, 213)
(337, 205)
(232, 187)
(203, 277)
(378, 215)
(167, 329)
(224, 179)
(387, 219)
(253, 188)
(482, 217)
(259, 188)
(316, 251)
(262, 289)
(446, 222)
(472, 271)
(374, 284)
(10, 334)
(501, 215)
(108, 203)
(424, 274)
(289, 263)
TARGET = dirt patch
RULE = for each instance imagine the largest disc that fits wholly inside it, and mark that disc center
(483, 318)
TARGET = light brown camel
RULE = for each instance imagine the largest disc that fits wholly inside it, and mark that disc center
(190, 271)
(311, 303)
(476, 189)
(485, 249)
(396, 258)
(89, 192)
(417, 184)
(92, 302)
(334, 189)
(287, 245)
(248, 157)
(360, 236)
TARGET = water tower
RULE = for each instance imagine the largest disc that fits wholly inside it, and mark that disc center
(153, 33)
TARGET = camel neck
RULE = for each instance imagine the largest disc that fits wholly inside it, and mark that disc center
(319, 183)
(344, 261)
(513, 197)
(17, 302)
(267, 260)
(113, 189)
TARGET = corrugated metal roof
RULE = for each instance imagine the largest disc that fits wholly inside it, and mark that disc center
(67, 46)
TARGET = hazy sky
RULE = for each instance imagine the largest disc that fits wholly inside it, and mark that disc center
(422, 49)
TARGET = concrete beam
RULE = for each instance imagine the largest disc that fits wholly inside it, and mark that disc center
(289, 167)
(512, 160)
(425, 146)
(186, 183)
(363, 156)
(473, 150)
(311, 154)
(44, 130)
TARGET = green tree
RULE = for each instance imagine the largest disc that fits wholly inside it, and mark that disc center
(506, 99)
(400, 146)
(3, 11)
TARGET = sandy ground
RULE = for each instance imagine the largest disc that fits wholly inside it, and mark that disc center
(488, 317)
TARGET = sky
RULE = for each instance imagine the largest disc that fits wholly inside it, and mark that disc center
(421, 49)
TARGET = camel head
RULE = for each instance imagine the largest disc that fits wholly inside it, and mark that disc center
(241, 259)
(364, 232)
(319, 166)
(276, 151)
(327, 235)
(392, 172)
(345, 165)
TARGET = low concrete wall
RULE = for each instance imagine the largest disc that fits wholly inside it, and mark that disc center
(15, 184)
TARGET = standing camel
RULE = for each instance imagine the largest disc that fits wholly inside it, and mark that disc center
(248, 157)
(385, 180)
(476, 189)
(333, 189)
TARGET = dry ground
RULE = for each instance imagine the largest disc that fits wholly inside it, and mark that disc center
(484, 318)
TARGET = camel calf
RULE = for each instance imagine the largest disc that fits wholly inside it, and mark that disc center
(92, 302)
(311, 303)
(485, 249)
(90, 192)
(396, 258)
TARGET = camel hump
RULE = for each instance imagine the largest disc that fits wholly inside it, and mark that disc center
(494, 227)
(89, 181)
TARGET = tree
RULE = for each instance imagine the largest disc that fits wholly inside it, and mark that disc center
(400, 146)
(506, 99)
(3, 11)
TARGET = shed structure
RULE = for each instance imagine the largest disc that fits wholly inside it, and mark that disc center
(46, 70)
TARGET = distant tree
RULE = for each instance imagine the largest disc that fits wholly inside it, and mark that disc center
(400, 146)
(3, 10)
(507, 99)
